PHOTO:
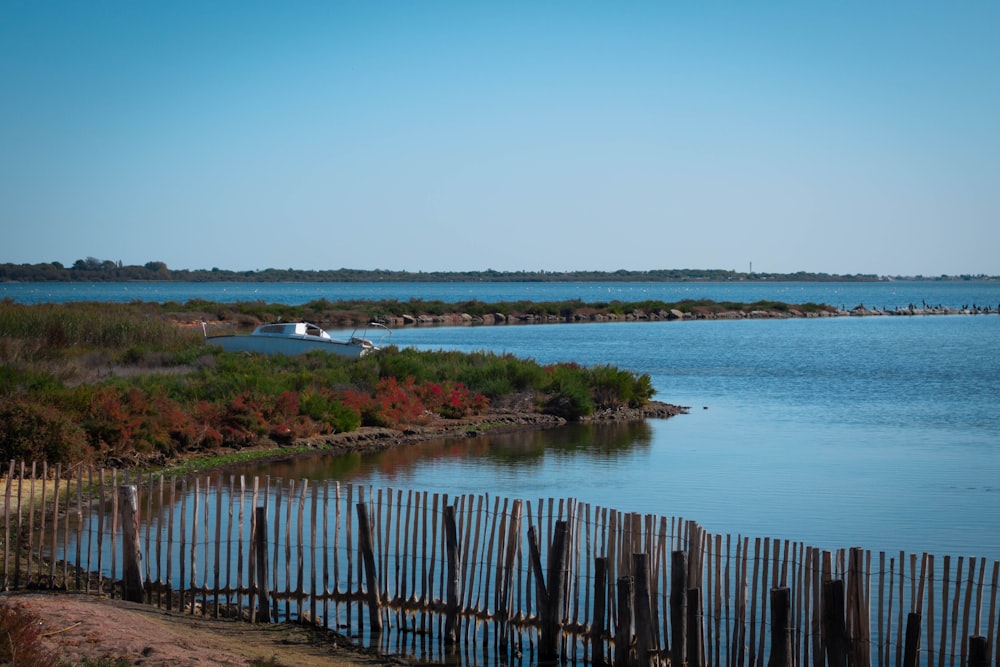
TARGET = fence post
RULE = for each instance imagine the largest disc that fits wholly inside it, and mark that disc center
(260, 550)
(678, 608)
(550, 589)
(600, 607)
(781, 628)
(623, 631)
(454, 576)
(128, 502)
(978, 652)
(644, 647)
(911, 648)
(555, 578)
(834, 624)
(6, 528)
(857, 611)
(694, 629)
(371, 578)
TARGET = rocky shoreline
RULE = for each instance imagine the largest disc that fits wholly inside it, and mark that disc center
(671, 315)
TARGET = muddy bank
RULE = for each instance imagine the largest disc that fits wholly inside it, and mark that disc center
(371, 438)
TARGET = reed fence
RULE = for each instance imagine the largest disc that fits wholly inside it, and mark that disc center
(490, 578)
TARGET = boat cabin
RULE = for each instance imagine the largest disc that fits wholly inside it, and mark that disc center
(292, 329)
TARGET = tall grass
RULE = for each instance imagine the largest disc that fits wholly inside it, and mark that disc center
(51, 329)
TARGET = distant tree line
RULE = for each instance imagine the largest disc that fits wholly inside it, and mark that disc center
(92, 269)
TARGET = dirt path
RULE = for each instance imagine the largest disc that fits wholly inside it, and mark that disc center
(76, 626)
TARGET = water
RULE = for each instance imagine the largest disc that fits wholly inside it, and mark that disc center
(953, 294)
(880, 432)
(873, 432)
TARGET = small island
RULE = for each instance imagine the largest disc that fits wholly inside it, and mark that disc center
(136, 386)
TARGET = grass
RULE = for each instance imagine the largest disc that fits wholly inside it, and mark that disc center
(114, 383)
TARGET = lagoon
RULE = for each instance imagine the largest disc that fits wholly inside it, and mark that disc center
(872, 432)
(886, 294)
(880, 432)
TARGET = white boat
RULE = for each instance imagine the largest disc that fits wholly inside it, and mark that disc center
(292, 338)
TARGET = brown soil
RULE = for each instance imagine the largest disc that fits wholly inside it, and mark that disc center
(76, 626)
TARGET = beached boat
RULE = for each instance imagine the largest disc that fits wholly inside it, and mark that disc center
(293, 338)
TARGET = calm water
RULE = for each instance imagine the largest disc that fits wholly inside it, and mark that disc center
(877, 432)
(882, 294)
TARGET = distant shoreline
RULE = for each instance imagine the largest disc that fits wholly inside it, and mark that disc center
(92, 270)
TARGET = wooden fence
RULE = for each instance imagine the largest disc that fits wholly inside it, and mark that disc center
(491, 578)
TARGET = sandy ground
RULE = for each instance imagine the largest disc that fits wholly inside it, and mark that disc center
(75, 626)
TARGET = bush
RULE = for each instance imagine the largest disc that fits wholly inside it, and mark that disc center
(322, 407)
(452, 400)
(31, 431)
(495, 376)
(612, 387)
(567, 394)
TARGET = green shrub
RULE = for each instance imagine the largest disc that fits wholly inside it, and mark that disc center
(567, 394)
(612, 387)
(404, 364)
(325, 408)
(342, 419)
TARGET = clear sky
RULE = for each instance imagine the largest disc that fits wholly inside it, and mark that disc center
(848, 137)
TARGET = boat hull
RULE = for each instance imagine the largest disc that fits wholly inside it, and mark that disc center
(264, 344)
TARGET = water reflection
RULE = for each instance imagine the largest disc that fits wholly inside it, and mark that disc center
(601, 443)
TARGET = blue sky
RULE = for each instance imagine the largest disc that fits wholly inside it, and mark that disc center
(450, 136)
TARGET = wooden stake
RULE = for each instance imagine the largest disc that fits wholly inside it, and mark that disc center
(782, 654)
(623, 629)
(678, 608)
(911, 649)
(835, 637)
(454, 576)
(368, 556)
(597, 628)
(644, 645)
(132, 589)
(260, 552)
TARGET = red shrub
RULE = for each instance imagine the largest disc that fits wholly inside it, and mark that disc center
(108, 421)
(286, 406)
(242, 421)
(452, 400)
(400, 403)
